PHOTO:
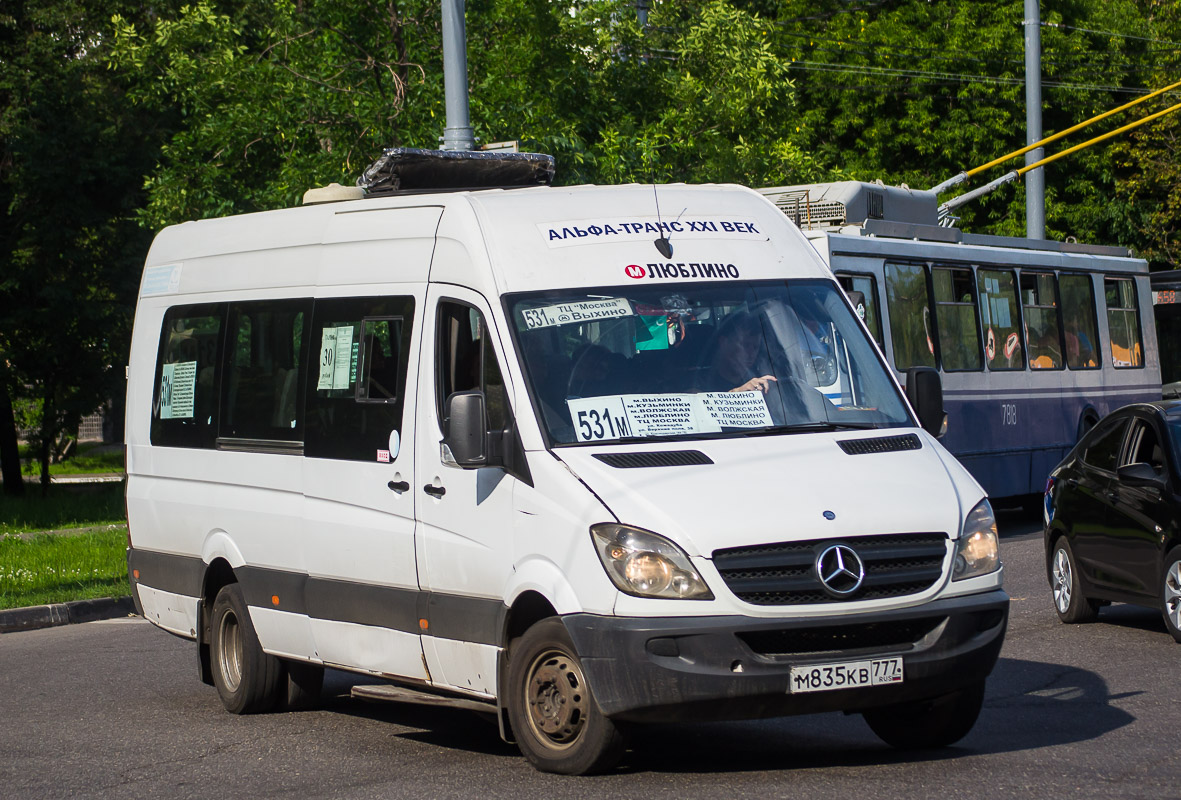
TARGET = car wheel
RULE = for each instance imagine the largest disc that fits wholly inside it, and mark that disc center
(247, 679)
(927, 724)
(1070, 603)
(556, 721)
(1171, 593)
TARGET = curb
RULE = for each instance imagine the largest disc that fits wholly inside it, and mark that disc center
(35, 617)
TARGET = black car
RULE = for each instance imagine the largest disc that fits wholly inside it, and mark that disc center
(1113, 516)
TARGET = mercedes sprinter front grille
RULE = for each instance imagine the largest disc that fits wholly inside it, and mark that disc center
(786, 573)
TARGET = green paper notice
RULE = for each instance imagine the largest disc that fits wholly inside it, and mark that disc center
(651, 332)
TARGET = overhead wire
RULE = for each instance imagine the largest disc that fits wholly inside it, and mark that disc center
(1150, 40)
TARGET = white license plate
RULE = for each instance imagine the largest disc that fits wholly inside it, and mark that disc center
(847, 675)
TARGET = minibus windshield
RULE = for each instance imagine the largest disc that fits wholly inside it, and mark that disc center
(697, 360)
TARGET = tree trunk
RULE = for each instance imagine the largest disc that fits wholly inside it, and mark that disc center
(10, 461)
(46, 435)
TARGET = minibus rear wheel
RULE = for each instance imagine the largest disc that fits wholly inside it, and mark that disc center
(557, 723)
(247, 679)
(928, 724)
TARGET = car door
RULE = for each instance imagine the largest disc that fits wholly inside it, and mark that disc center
(1139, 513)
(362, 586)
(465, 516)
(1088, 500)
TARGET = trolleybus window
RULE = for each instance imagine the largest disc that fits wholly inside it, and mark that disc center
(1078, 313)
(868, 310)
(955, 319)
(1123, 322)
(1002, 321)
(1042, 331)
(910, 316)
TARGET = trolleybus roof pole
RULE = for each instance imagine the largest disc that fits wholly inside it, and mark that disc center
(963, 176)
(956, 202)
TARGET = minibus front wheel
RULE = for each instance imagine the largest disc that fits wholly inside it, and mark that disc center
(247, 679)
(557, 723)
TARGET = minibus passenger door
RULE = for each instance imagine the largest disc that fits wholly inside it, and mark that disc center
(464, 534)
(362, 588)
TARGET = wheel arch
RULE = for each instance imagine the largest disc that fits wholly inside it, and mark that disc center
(218, 574)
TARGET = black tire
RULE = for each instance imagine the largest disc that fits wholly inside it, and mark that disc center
(304, 684)
(1066, 588)
(248, 680)
(557, 723)
(1171, 593)
(927, 724)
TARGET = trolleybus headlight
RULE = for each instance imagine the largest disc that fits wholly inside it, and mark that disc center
(644, 564)
(977, 552)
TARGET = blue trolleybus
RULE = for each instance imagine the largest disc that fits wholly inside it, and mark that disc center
(1166, 305)
(1034, 340)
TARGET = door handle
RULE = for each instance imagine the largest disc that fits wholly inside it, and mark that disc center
(399, 486)
(434, 491)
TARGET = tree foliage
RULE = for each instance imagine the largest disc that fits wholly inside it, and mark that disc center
(118, 118)
(71, 170)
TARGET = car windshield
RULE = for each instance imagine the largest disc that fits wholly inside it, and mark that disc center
(700, 359)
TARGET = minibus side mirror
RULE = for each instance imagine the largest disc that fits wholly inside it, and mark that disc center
(465, 429)
(924, 390)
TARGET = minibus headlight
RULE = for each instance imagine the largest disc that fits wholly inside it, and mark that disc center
(977, 552)
(647, 565)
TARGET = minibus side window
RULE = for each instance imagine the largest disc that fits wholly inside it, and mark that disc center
(1078, 314)
(955, 318)
(1042, 330)
(357, 384)
(467, 361)
(262, 379)
(184, 406)
(910, 316)
(1123, 322)
(1001, 318)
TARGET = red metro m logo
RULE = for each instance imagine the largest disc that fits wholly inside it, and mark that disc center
(634, 271)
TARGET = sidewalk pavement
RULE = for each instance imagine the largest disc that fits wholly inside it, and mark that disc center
(34, 617)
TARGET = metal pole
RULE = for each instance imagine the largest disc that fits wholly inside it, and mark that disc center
(1035, 181)
(458, 133)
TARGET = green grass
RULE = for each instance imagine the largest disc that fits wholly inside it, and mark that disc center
(85, 462)
(48, 568)
(64, 507)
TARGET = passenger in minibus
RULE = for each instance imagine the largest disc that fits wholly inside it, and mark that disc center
(732, 365)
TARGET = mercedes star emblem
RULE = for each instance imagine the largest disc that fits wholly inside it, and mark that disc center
(840, 570)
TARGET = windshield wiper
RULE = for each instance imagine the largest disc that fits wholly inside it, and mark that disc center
(806, 427)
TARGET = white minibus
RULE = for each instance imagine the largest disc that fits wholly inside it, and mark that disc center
(583, 458)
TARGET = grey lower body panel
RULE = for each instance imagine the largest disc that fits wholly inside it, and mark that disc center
(670, 669)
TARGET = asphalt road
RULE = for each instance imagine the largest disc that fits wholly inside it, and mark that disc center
(114, 709)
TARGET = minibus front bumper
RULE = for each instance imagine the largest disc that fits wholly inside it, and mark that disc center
(670, 669)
